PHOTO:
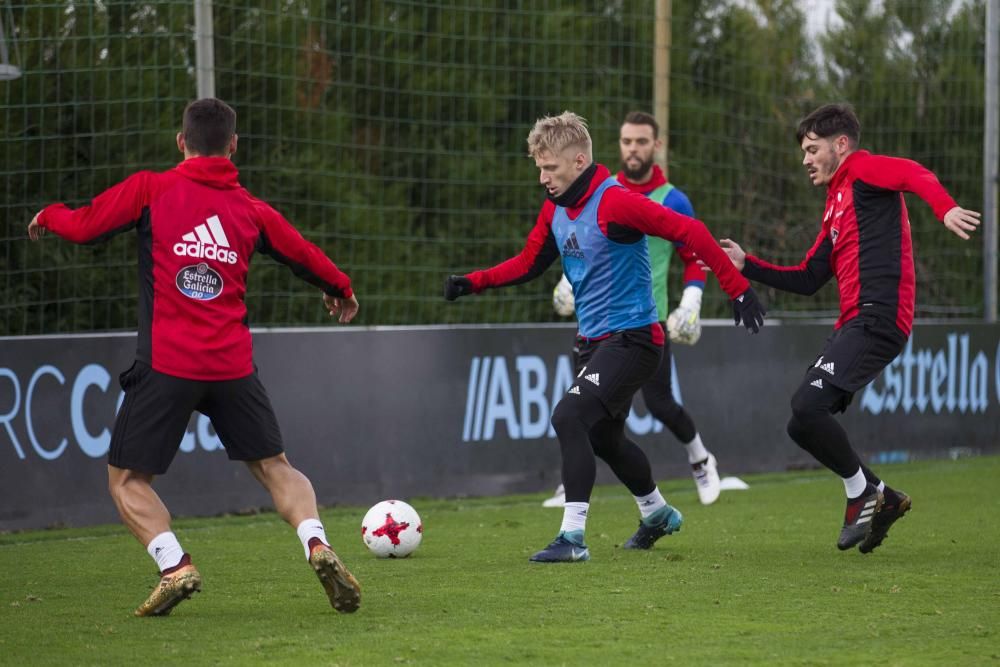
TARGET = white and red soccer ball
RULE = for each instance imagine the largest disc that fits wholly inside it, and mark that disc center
(392, 529)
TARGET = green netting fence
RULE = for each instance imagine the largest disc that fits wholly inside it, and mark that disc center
(392, 134)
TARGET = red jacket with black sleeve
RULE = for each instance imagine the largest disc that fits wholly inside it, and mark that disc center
(622, 216)
(864, 240)
(197, 229)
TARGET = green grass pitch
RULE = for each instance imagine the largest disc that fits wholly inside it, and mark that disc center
(754, 579)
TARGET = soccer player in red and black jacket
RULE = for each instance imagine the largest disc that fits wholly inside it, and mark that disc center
(864, 242)
(600, 229)
(197, 228)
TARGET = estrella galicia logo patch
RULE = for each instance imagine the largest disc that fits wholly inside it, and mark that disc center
(199, 282)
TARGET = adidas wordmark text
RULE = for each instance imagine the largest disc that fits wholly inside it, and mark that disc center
(208, 241)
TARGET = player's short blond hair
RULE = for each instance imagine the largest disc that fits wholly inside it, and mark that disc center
(556, 133)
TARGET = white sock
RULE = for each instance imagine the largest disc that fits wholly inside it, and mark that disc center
(855, 484)
(650, 503)
(309, 529)
(574, 517)
(696, 450)
(165, 550)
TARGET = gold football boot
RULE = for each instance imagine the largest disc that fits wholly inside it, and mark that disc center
(173, 589)
(341, 587)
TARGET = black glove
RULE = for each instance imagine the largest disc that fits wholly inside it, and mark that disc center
(456, 286)
(748, 310)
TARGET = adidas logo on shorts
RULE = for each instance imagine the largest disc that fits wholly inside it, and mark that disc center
(208, 241)
(595, 378)
(818, 382)
(828, 367)
(574, 390)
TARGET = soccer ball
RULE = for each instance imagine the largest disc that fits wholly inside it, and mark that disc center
(392, 529)
(562, 298)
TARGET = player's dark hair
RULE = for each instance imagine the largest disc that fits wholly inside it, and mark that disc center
(831, 120)
(643, 118)
(209, 125)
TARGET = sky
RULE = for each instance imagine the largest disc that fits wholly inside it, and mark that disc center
(818, 14)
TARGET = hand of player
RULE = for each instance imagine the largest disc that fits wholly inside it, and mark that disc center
(961, 220)
(747, 310)
(456, 286)
(346, 307)
(35, 230)
(563, 301)
(736, 254)
(684, 323)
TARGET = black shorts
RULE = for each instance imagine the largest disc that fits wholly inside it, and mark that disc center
(660, 387)
(614, 368)
(857, 352)
(157, 408)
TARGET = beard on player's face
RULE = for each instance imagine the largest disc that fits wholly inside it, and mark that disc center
(637, 169)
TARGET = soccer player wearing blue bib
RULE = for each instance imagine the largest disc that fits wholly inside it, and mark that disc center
(599, 228)
(638, 141)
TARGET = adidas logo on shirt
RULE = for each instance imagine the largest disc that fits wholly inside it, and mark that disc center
(817, 383)
(828, 367)
(595, 378)
(208, 241)
(571, 247)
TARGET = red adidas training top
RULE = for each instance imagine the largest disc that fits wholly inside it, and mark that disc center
(197, 229)
(864, 240)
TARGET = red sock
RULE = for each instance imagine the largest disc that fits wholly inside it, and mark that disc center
(185, 561)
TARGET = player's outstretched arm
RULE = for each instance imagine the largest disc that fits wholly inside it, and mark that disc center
(960, 220)
(805, 278)
(112, 212)
(538, 254)
(344, 307)
(619, 207)
(281, 241)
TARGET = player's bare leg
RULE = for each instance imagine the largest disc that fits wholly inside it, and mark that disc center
(145, 515)
(292, 492)
(141, 510)
(295, 501)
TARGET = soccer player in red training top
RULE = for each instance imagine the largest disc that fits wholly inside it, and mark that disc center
(197, 228)
(600, 229)
(864, 241)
